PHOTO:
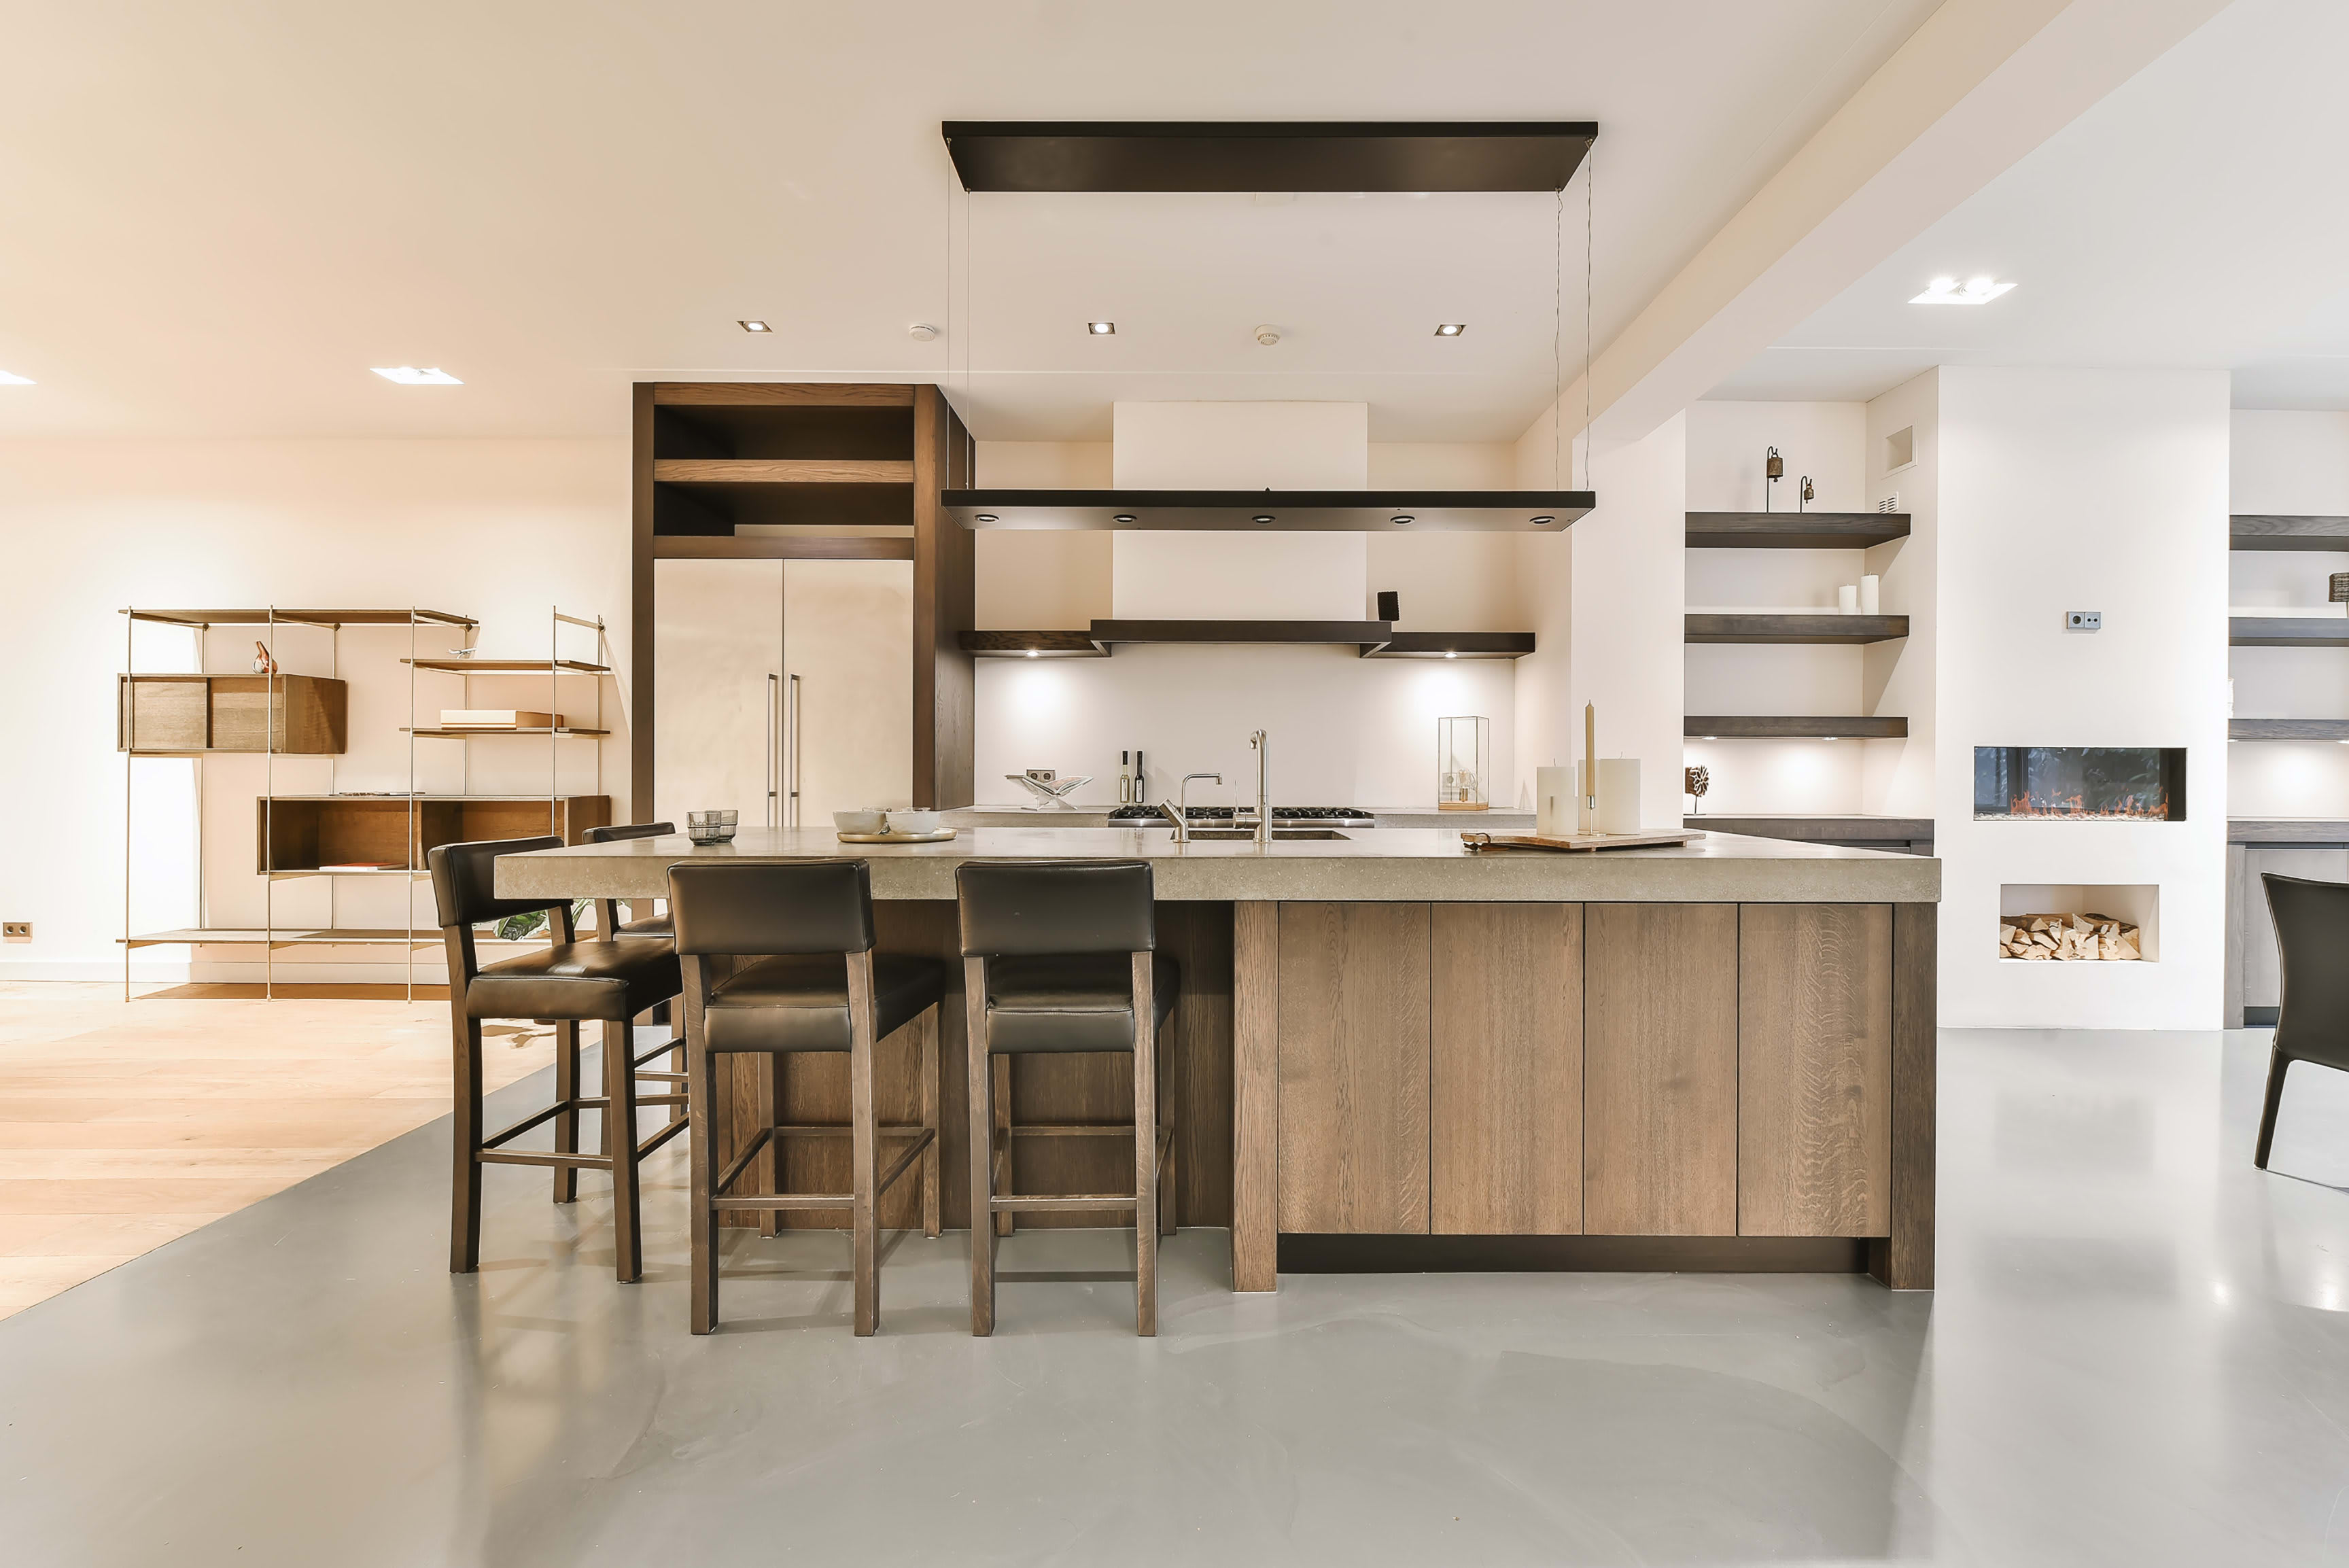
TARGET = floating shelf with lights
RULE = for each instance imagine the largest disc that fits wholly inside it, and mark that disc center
(1376, 639)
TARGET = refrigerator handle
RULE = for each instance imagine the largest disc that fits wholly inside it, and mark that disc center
(774, 684)
(791, 802)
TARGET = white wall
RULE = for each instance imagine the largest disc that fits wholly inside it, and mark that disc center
(2291, 463)
(498, 529)
(1902, 678)
(2082, 490)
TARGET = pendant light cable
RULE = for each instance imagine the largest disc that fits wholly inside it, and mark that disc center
(1590, 227)
(1557, 331)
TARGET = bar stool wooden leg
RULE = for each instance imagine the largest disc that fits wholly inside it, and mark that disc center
(933, 1156)
(766, 1169)
(465, 1140)
(566, 1122)
(1169, 1219)
(863, 1147)
(1005, 1224)
(1145, 1149)
(620, 1142)
(701, 1092)
(982, 1159)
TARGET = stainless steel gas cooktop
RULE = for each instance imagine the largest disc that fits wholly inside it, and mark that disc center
(1334, 816)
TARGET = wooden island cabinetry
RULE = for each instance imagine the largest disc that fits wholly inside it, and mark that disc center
(1700, 1070)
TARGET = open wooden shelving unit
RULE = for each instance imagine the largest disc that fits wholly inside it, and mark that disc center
(812, 471)
(1794, 530)
(334, 834)
(2276, 531)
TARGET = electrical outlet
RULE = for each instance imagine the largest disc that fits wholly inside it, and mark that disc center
(2084, 620)
(16, 930)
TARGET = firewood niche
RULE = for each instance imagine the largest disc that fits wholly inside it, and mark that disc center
(2068, 937)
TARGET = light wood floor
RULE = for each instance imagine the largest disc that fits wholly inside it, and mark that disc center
(126, 1125)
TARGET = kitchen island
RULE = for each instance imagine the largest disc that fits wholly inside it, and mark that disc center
(1394, 1053)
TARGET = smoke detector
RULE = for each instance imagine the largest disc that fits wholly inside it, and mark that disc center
(1267, 336)
(921, 331)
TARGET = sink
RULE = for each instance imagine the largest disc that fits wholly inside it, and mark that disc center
(1242, 835)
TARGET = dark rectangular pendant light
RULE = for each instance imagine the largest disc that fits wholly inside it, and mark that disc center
(1266, 155)
(1271, 512)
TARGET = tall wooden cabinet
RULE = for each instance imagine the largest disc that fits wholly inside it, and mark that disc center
(790, 480)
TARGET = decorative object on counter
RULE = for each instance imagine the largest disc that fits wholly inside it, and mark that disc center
(265, 663)
(1577, 842)
(911, 819)
(2338, 592)
(1611, 790)
(1591, 749)
(1052, 791)
(1774, 468)
(1141, 778)
(1124, 778)
(893, 835)
(863, 819)
(1554, 802)
(498, 718)
(1871, 595)
(1463, 755)
(1804, 497)
(1848, 599)
(2067, 936)
(1695, 782)
(1390, 605)
(712, 827)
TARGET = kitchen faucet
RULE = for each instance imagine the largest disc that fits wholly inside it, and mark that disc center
(1178, 810)
(1263, 801)
(1184, 799)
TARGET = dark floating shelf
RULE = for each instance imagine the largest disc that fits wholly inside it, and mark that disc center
(2287, 729)
(1750, 726)
(1285, 512)
(1376, 639)
(1795, 530)
(1825, 628)
(2278, 530)
(2288, 631)
(1277, 155)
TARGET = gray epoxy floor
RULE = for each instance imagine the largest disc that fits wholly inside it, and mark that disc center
(2139, 1354)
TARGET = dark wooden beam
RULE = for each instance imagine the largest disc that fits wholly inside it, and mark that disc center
(2276, 530)
(1837, 628)
(642, 502)
(1795, 530)
(1274, 155)
(1759, 726)
(781, 547)
(944, 605)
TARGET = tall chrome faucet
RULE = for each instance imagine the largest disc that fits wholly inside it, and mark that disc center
(1263, 801)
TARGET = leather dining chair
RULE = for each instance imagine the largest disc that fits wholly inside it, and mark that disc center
(2312, 925)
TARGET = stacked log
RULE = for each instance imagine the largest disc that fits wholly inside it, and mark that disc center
(2067, 937)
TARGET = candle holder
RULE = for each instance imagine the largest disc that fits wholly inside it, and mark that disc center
(1463, 751)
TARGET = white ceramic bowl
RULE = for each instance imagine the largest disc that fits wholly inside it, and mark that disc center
(912, 822)
(864, 821)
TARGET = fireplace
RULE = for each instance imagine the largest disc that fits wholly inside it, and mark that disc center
(2080, 783)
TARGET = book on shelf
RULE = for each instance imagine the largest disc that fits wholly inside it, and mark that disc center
(364, 866)
(498, 718)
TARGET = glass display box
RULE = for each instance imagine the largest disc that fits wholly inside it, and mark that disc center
(1463, 752)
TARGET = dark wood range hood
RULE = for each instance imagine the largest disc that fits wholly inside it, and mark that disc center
(1268, 155)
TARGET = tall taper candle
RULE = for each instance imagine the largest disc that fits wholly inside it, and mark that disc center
(1590, 753)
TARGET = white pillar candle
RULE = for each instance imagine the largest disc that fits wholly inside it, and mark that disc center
(1616, 782)
(1869, 586)
(1554, 802)
(1848, 599)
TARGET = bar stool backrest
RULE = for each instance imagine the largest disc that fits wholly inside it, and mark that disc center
(2312, 922)
(1011, 908)
(461, 881)
(771, 909)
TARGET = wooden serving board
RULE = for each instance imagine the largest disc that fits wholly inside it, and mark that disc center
(1578, 841)
(940, 836)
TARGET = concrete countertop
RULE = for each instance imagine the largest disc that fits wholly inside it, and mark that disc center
(1387, 864)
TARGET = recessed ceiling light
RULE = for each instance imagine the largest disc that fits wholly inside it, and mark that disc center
(1261, 517)
(1540, 521)
(1035, 653)
(755, 326)
(1450, 653)
(1400, 518)
(1450, 328)
(1122, 517)
(9, 380)
(409, 376)
(1101, 329)
(986, 517)
(1948, 290)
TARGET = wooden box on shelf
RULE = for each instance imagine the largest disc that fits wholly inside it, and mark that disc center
(304, 832)
(179, 713)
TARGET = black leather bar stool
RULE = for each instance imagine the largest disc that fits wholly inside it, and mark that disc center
(780, 957)
(2312, 924)
(608, 922)
(1061, 956)
(607, 982)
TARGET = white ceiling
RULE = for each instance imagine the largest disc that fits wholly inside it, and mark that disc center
(2198, 217)
(219, 217)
